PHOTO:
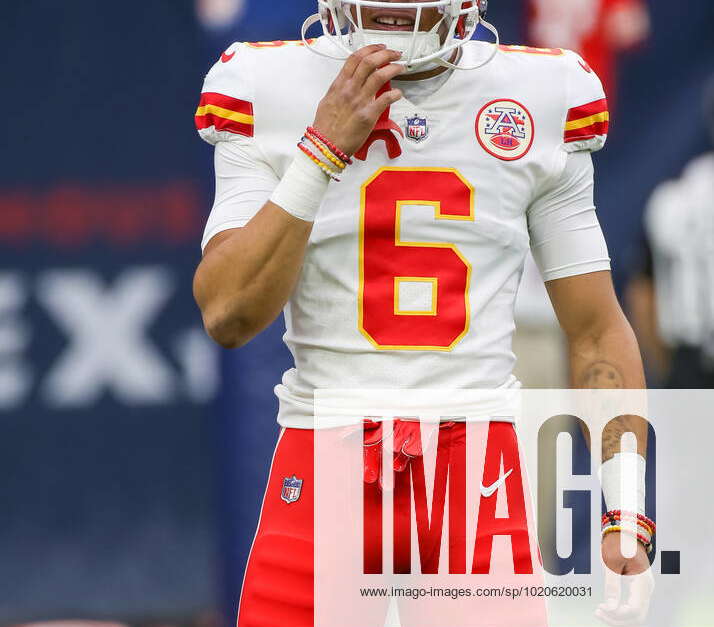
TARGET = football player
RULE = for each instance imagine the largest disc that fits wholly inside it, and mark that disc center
(393, 236)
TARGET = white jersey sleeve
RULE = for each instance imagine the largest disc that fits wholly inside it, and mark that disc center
(566, 238)
(244, 183)
(225, 111)
(588, 118)
(225, 119)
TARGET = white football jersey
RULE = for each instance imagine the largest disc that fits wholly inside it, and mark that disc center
(413, 264)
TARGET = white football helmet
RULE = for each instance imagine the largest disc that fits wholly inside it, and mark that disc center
(421, 50)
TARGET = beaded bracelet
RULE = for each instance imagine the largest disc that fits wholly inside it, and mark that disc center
(641, 533)
(326, 169)
(335, 150)
(616, 528)
(644, 541)
(628, 517)
(610, 516)
(325, 151)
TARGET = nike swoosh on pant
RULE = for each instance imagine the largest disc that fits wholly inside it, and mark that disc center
(490, 490)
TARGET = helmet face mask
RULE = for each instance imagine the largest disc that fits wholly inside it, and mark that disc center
(342, 24)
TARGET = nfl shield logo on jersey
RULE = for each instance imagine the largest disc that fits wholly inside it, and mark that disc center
(292, 486)
(417, 128)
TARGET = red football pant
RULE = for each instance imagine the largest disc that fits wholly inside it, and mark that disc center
(278, 590)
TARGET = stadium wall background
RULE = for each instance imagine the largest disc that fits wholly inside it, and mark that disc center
(131, 481)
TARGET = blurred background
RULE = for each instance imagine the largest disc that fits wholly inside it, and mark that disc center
(133, 453)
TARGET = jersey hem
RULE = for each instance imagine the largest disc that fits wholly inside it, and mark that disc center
(577, 269)
(335, 408)
(224, 226)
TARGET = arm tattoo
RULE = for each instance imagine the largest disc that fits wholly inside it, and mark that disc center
(602, 375)
(612, 435)
(605, 375)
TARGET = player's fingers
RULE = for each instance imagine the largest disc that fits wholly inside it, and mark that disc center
(638, 600)
(613, 620)
(606, 618)
(353, 61)
(625, 615)
(379, 77)
(373, 62)
(387, 99)
(612, 591)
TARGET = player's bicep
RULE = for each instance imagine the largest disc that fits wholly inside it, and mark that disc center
(566, 238)
(244, 183)
(217, 240)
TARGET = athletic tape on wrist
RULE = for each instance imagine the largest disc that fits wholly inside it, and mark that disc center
(302, 188)
(623, 482)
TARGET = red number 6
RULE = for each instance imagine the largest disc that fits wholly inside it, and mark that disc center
(386, 261)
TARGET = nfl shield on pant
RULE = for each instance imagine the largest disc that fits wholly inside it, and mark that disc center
(292, 486)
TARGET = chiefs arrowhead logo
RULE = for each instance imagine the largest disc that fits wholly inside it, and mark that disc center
(227, 57)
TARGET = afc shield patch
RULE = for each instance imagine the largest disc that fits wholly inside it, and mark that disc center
(292, 487)
(417, 128)
(505, 129)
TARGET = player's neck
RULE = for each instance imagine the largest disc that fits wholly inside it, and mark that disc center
(421, 76)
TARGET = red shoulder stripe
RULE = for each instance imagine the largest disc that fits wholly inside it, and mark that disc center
(225, 114)
(588, 132)
(223, 124)
(226, 102)
(591, 108)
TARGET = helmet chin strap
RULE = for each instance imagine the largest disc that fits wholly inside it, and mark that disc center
(494, 50)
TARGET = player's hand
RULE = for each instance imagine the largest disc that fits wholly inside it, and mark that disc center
(348, 112)
(628, 584)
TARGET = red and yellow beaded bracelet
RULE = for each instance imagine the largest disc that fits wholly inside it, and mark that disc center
(618, 518)
(613, 514)
(326, 152)
(643, 540)
(311, 130)
(325, 168)
(612, 522)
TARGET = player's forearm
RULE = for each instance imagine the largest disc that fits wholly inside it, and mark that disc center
(243, 283)
(607, 356)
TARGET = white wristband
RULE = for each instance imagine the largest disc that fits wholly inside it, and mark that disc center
(623, 482)
(302, 188)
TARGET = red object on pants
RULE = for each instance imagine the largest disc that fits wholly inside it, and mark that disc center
(278, 589)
